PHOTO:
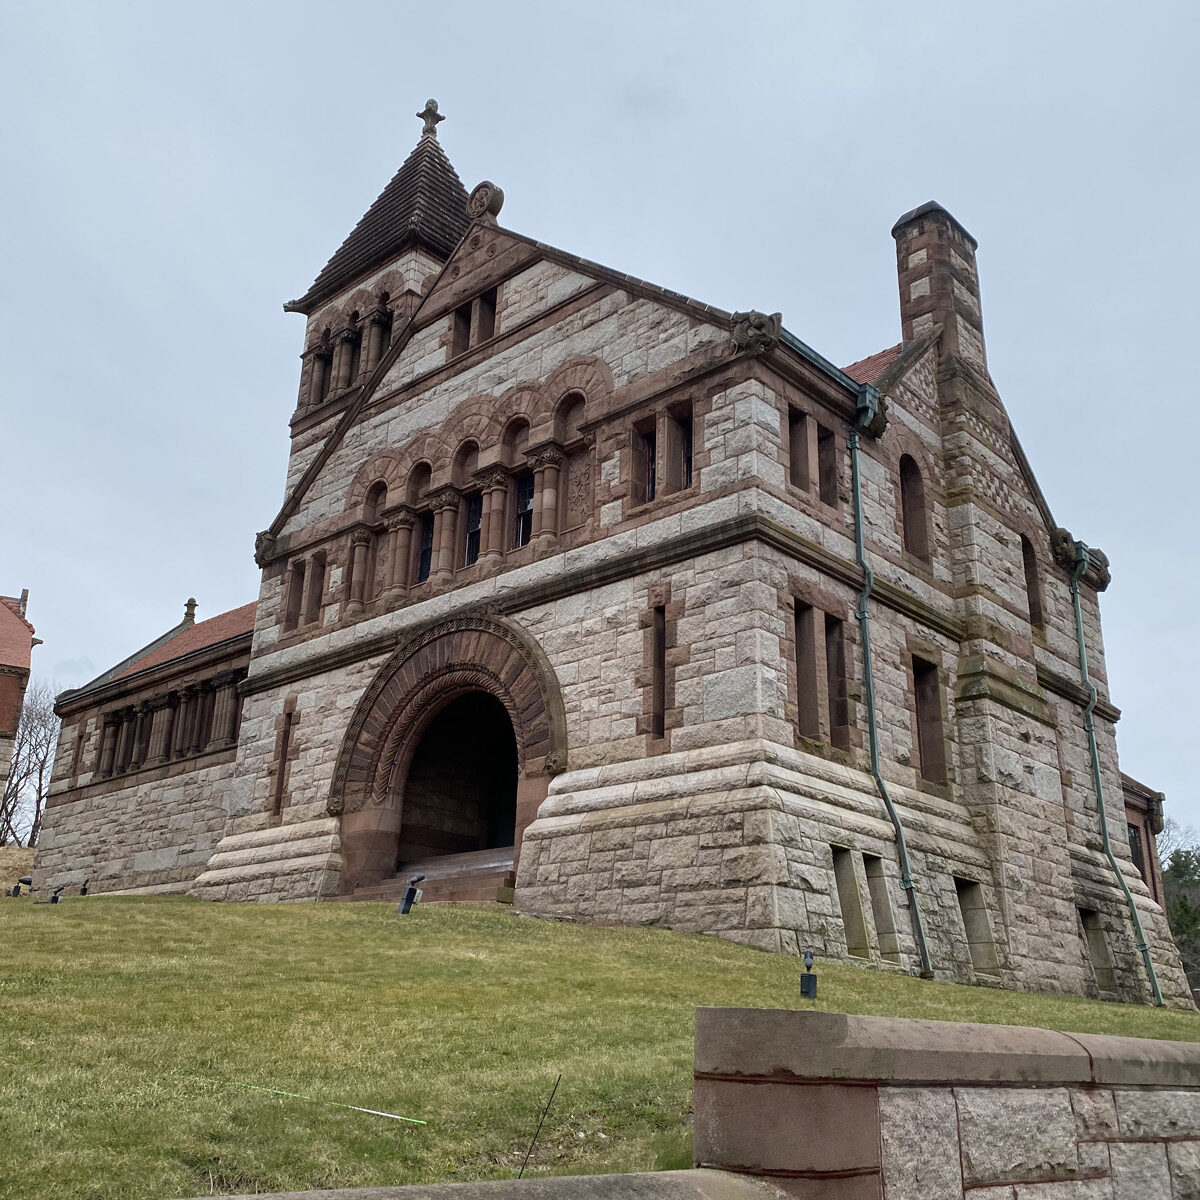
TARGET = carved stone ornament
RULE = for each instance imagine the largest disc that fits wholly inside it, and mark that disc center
(556, 762)
(1062, 546)
(264, 548)
(755, 332)
(446, 497)
(485, 201)
(544, 456)
(491, 478)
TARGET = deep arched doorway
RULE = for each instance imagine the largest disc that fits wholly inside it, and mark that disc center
(459, 794)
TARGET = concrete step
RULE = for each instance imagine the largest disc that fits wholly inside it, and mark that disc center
(477, 877)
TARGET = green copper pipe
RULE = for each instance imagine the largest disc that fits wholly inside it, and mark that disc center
(1082, 560)
(868, 407)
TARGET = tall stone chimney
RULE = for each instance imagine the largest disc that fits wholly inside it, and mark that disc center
(935, 260)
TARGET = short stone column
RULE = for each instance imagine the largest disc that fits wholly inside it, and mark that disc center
(400, 531)
(547, 467)
(445, 526)
(108, 744)
(495, 504)
(318, 375)
(139, 733)
(360, 545)
(375, 342)
(163, 714)
(225, 706)
(183, 719)
(202, 709)
(343, 358)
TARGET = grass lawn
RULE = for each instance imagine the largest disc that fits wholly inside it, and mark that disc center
(125, 1023)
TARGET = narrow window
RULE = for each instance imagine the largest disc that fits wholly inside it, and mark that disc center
(1134, 834)
(316, 588)
(285, 743)
(460, 335)
(808, 717)
(658, 700)
(913, 518)
(881, 908)
(645, 455)
(976, 926)
(835, 670)
(474, 524)
(523, 530)
(827, 466)
(850, 903)
(425, 548)
(486, 324)
(1097, 951)
(679, 448)
(295, 595)
(931, 744)
(1033, 589)
(798, 450)
(354, 353)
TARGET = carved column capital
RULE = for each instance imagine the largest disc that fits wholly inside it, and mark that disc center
(544, 456)
(360, 536)
(491, 478)
(445, 497)
(380, 316)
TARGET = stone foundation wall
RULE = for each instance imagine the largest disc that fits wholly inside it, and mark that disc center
(861, 1108)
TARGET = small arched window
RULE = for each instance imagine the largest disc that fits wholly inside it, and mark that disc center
(418, 484)
(516, 438)
(913, 514)
(466, 462)
(569, 417)
(1033, 584)
(376, 502)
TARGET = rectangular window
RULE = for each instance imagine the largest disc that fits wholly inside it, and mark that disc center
(316, 588)
(835, 671)
(931, 743)
(485, 325)
(827, 466)
(645, 462)
(881, 908)
(658, 699)
(800, 474)
(1134, 834)
(679, 448)
(474, 524)
(460, 331)
(523, 530)
(295, 595)
(425, 548)
(850, 903)
(285, 742)
(977, 927)
(1097, 951)
(808, 718)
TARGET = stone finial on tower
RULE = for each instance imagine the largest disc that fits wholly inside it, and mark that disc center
(939, 285)
(430, 115)
(189, 611)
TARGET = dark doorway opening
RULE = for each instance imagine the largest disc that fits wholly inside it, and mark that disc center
(461, 792)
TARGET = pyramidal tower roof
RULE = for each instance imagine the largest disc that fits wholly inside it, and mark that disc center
(424, 205)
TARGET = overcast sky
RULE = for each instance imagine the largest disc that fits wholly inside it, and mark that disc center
(173, 173)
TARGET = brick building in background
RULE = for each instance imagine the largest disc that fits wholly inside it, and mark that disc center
(567, 596)
(16, 647)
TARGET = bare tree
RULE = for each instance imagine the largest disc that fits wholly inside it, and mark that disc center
(1175, 837)
(25, 790)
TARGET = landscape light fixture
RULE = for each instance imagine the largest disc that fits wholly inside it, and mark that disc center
(808, 978)
(27, 880)
(55, 895)
(410, 896)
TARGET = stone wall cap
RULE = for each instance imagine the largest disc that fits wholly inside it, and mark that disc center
(782, 1043)
(657, 1185)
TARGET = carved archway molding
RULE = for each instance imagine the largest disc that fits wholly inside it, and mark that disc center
(474, 652)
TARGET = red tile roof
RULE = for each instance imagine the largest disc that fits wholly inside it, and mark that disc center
(195, 637)
(16, 635)
(867, 370)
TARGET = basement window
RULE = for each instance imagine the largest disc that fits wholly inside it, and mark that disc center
(1097, 951)
(850, 903)
(881, 908)
(976, 926)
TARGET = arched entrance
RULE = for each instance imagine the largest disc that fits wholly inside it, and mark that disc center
(449, 753)
(459, 794)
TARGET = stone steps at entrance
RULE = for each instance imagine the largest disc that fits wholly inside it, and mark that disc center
(479, 877)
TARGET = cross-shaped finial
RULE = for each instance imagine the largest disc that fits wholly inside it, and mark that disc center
(430, 115)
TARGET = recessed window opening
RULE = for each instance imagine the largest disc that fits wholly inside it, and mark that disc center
(1136, 852)
(460, 330)
(679, 447)
(913, 517)
(835, 669)
(425, 548)
(486, 324)
(1033, 588)
(931, 742)
(523, 528)
(850, 903)
(658, 703)
(827, 466)
(285, 743)
(881, 908)
(316, 588)
(474, 525)
(295, 594)
(376, 502)
(645, 462)
(808, 718)
(976, 926)
(798, 450)
(1098, 954)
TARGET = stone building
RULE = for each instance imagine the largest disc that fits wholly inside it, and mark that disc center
(645, 610)
(16, 652)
